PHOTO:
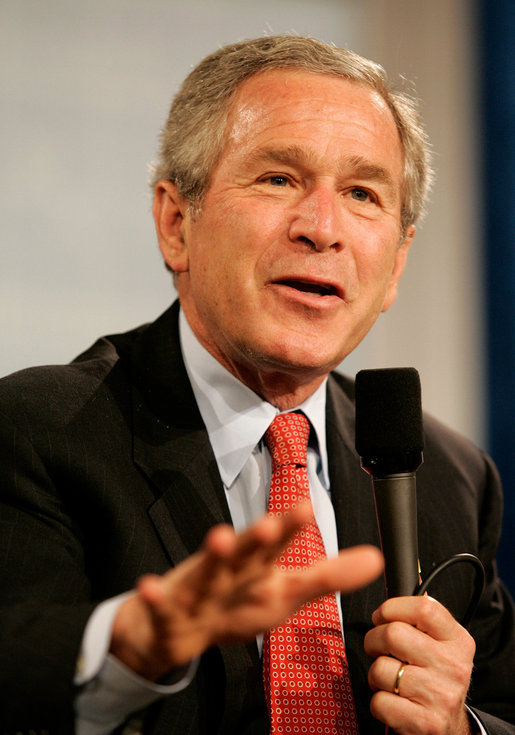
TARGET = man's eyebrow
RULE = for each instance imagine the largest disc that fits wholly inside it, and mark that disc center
(363, 169)
(289, 155)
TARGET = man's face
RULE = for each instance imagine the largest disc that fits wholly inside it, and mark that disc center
(297, 246)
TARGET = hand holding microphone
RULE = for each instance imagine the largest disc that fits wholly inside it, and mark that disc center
(423, 656)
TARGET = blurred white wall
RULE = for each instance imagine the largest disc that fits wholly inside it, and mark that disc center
(85, 87)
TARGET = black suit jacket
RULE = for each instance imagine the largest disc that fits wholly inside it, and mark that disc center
(106, 472)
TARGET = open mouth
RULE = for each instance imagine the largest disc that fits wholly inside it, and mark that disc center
(319, 289)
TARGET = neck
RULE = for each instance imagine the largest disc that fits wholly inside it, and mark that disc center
(280, 389)
(284, 386)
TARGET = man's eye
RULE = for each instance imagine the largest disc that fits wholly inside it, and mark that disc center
(360, 195)
(278, 180)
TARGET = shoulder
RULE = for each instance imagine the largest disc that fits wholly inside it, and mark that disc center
(59, 392)
(445, 447)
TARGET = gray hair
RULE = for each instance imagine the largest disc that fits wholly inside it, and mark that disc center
(194, 136)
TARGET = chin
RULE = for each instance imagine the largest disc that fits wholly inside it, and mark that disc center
(289, 358)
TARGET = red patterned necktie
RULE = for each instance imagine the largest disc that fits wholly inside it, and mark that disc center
(305, 668)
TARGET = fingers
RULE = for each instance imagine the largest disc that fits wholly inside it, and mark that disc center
(402, 716)
(421, 631)
(351, 569)
(231, 570)
(266, 538)
(224, 553)
(405, 680)
(249, 554)
(152, 589)
(252, 553)
(231, 590)
(409, 628)
(402, 641)
(422, 668)
(357, 567)
(421, 700)
(425, 613)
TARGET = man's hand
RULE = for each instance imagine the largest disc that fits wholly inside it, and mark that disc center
(434, 683)
(229, 591)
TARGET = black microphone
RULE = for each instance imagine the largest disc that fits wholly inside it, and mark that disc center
(390, 440)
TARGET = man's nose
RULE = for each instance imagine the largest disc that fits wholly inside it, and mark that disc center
(317, 219)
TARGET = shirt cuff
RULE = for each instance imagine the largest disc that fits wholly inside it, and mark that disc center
(117, 692)
(110, 691)
(97, 638)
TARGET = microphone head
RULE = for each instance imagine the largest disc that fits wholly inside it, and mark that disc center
(389, 416)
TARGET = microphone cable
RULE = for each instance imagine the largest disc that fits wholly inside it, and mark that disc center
(479, 582)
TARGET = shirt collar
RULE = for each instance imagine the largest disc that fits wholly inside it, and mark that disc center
(235, 417)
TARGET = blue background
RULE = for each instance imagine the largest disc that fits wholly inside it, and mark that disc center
(498, 117)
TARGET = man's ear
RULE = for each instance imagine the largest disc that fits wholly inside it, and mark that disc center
(170, 210)
(401, 256)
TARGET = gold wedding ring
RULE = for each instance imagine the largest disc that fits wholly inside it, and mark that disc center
(398, 678)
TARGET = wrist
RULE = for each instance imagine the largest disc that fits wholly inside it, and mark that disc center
(133, 642)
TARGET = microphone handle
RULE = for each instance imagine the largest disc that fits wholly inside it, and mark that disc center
(396, 509)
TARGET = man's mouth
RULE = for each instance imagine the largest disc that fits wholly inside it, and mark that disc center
(319, 289)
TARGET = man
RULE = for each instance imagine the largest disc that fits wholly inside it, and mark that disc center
(286, 196)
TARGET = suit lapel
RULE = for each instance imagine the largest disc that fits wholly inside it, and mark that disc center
(171, 444)
(172, 448)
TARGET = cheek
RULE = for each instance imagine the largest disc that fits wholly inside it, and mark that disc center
(375, 259)
(219, 266)
(246, 242)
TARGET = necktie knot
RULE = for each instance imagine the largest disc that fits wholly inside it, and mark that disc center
(287, 438)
